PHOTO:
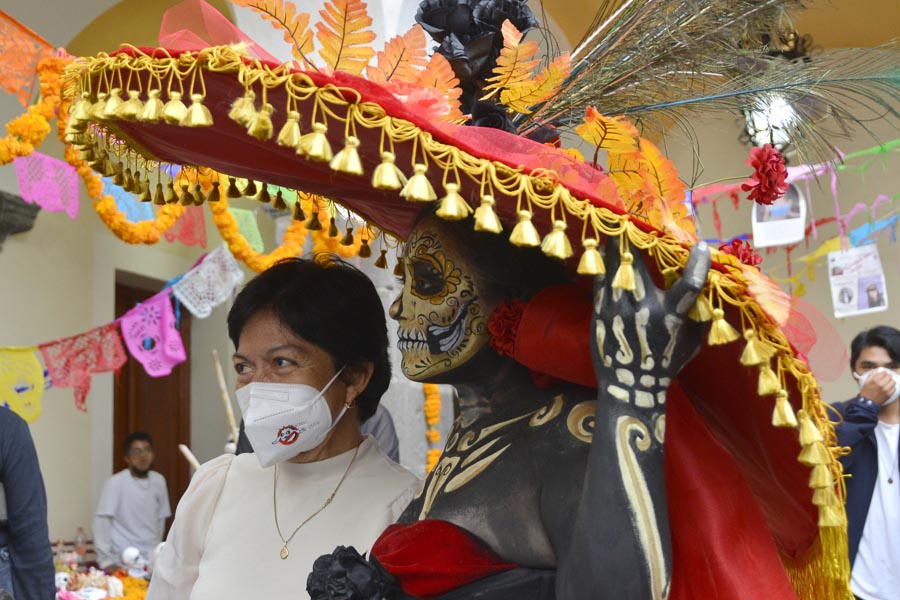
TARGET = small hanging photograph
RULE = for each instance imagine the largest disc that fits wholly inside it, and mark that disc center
(857, 281)
(782, 222)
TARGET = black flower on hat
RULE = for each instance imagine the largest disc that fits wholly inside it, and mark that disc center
(346, 575)
(468, 36)
(491, 114)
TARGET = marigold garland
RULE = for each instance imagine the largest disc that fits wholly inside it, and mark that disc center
(133, 588)
(28, 130)
(432, 418)
(240, 247)
(294, 237)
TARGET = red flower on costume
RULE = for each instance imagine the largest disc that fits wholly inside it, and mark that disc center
(743, 251)
(769, 179)
(504, 324)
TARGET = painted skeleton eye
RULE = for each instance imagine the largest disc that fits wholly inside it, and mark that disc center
(428, 279)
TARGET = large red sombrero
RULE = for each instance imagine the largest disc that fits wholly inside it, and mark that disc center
(385, 154)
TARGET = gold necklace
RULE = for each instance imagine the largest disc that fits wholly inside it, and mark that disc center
(284, 548)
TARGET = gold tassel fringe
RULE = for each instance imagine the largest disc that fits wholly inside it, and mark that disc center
(214, 194)
(315, 145)
(347, 160)
(624, 279)
(525, 234)
(198, 114)
(381, 261)
(768, 381)
(289, 136)
(418, 188)
(556, 244)
(721, 332)
(453, 206)
(159, 198)
(243, 109)
(783, 415)
(815, 454)
(153, 108)
(174, 110)
(809, 433)
(591, 262)
(263, 197)
(113, 103)
(260, 126)
(132, 108)
(387, 175)
(486, 218)
(753, 353)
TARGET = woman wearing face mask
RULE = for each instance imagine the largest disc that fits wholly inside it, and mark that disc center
(311, 361)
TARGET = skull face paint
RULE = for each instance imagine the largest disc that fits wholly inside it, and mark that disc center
(442, 316)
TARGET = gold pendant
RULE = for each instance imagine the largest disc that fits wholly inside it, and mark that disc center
(284, 552)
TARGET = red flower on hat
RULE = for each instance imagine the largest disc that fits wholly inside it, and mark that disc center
(769, 179)
(504, 324)
(743, 251)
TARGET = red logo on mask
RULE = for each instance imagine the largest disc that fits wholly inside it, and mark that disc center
(287, 435)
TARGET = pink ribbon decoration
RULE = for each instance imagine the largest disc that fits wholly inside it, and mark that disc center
(71, 361)
(151, 337)
(195, 25)
(881, 199)
(48, 182)
(190, 229)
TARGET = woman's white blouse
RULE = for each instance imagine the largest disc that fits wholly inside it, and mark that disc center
(223, 543)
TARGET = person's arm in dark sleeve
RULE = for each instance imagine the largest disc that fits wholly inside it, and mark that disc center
(26, 504)
(860, 416)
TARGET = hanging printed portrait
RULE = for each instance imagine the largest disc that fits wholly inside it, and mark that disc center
(857, 281)
(782, 222)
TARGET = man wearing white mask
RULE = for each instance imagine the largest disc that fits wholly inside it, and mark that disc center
(871, 428)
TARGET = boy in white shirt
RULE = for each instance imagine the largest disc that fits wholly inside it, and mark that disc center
(133, 507)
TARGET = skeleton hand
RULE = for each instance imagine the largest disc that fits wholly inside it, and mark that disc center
(642, 339)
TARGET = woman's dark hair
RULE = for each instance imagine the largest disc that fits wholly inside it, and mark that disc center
(329, 303)
(136, 436)
(881, 336)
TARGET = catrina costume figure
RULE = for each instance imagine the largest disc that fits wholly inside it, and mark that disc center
(633, 420)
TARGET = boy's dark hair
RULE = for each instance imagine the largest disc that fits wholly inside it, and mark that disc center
(136, 436)
(881, 336)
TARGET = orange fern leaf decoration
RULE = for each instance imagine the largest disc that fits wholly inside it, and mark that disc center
(402, 59)
(574, 153)
(665, 193)
(625, 169)
(661, 173)
(613, 134)
(438, 74)
(516, 62)
(284, 14)
(343, 36)
(523, 95)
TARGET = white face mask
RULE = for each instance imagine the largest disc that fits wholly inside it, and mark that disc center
(284, 419)
(894, 375)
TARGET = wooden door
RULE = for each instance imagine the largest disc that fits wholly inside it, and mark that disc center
(160, 406)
